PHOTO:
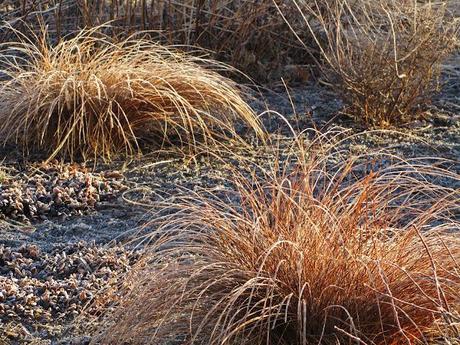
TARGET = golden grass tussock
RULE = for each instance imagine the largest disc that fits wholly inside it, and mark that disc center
(91, 96)
(312, 255)
(383, 57)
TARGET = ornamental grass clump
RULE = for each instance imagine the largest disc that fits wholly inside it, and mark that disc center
(318, 254)
(91, 96)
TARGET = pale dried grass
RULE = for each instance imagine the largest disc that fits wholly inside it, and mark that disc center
(92, 96)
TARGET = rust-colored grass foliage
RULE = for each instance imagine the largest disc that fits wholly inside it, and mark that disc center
(383, 57)
(92, 96)
(332, 251)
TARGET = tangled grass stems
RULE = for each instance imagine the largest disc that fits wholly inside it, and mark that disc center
(91, 96)
(331, 251)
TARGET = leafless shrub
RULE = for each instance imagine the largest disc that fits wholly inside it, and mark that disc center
(384, 57)
(321, 254)
(92, 96)
(248, 34)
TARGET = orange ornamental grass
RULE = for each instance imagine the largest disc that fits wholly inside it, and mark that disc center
(313, 255)
(91, 96)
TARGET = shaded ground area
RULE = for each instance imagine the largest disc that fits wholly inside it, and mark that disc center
(42, 291)
(65, 229)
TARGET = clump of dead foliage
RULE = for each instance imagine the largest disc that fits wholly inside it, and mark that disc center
(92, 96)
(384, 57)
(333, 251)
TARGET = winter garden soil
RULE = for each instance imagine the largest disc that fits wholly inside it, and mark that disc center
(65, 230)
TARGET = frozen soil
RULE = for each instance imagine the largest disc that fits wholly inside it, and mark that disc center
(69, 230)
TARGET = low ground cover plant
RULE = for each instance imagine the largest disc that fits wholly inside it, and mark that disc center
(92, 96)
(329, 252)
(383, 57)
